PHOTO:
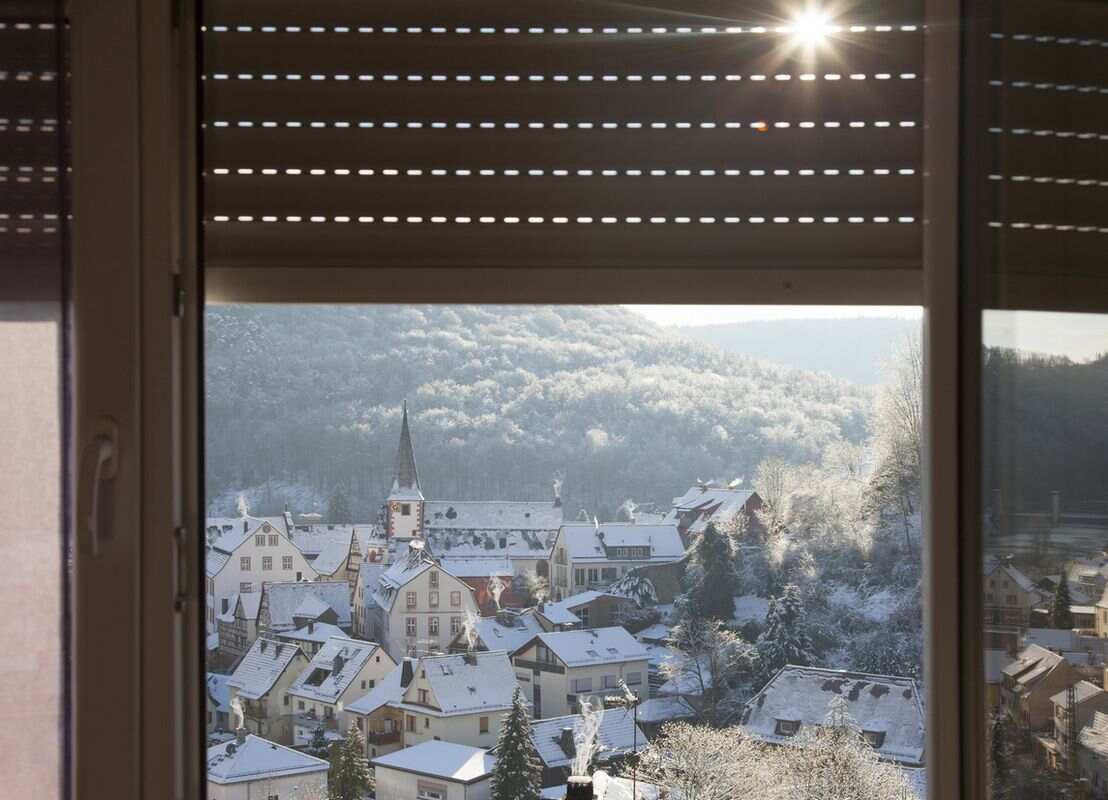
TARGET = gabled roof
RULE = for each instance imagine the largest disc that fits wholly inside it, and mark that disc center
(1031, 665)
(218, 691)
(445, 760)
(369, 575)
(1083, 690)
(594, 646)
(471, 683)
(992, 564)
(877, 703)
(249, 603)
(263, 664)
(333, 669)
(664, 709)
(388, 691)
(561, 613)
(407, 568)
(317, 633)
(1094, 736)
(285, 598)
(242, 529)
(712, 502)
(496, 634)
(333, 556)
(491, 515)
(617, 736)
(586, 541)
(258, 759)
(466, 567)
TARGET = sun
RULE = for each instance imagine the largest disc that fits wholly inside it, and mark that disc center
(811, 27)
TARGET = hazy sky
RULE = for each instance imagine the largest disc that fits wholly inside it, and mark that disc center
(1078, 336)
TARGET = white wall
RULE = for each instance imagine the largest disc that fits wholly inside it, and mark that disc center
(396, 785)
(309, 786)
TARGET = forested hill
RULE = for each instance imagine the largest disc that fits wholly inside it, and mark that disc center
(304, 400)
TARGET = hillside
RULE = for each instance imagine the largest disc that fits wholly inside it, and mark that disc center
(302, 400)
(855, 350)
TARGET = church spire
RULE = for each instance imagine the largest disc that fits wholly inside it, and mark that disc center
(405, 476)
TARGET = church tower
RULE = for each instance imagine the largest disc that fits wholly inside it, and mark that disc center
(404, 507)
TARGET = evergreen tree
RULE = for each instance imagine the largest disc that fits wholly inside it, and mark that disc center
(714, 582)
(350, 777)
(318, 744)
(1061, 616)
(517, 774)
(338, 509)
(785, 639)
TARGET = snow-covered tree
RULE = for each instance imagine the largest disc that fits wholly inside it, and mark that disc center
(712, 663)
(338, 509)
(517, 774)
(713, 580)
(696, 762)
(317, 745)
(1060, 614)
(350, 777)
(637, 588)
(785, 639)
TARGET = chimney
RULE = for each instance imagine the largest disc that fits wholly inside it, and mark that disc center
(406, 673)
(565, 741)
(337, 664)
(504, 618)
(557, 494)
(245, 525)
(470, 658)
(240, 735)
(311, 626)
(579, 787)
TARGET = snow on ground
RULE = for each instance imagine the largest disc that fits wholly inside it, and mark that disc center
(750, 608)
(299, 498)
(875, 607)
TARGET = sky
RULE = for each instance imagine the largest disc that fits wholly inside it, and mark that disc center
(1080, 337)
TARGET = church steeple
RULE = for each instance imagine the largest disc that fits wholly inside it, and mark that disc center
(405, 475)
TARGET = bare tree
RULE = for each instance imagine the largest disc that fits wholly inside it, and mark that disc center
(711, 662)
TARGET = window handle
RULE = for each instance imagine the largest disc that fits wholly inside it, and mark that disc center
(99, 458)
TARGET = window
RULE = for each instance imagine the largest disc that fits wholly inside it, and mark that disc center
(411, 599)
(634, 678)
(273, 540)
(874, 739)
(583, 615)
(433, 579)
(244, 563)
(299, 705)
(424, 792)
(286, 562)
(259, 540)
(423, 697)
(455, 626)
(787, 727)
(579, 577)
(433, 626)
(433, 600)
(406, 510)
(246, 587)
(410, 626)
(426, 723)
(273, 797)
(410, 721)
(455, 599)
(611, 681)
(582, 685)
(608, 573)
(594, 575)
(224, 602)
(267, 563)
(483, 725)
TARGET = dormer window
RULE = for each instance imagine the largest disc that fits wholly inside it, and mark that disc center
(787, 727)
(874, 739)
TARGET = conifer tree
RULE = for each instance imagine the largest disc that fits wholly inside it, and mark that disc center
(1061, 616)
(517, 774)
(317, 745)
(350, 777)
(785, 639)
(338, 509)
(713, 591)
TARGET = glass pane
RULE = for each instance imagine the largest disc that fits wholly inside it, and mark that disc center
(665, 540)
(1046, 552)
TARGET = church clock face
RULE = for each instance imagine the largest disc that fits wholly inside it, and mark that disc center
(394, 507)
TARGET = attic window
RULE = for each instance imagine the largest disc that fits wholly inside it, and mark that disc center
(874, 739)
(787, 727)
(593, 653)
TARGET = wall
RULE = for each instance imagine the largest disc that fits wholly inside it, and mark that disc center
(228, 580)
(309, 786)
(396, 785)
(396, 640)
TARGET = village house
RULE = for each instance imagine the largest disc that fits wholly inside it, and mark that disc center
(508, 630)
(312, 636)
(376, 715)
(1010, 596)
(219, 703)
(594, 556)
(343, 670)
(1092, 755)
(556, 738)
(260, 682)
(491, 580)
(555, 669)
(434, 771)
(711, 502)
(253, 551)
(887, 709)
(1031, 681)
(238, 628)
(417, 606)
(369, 575)
(657, 711)
(250, 767)
(589, 609)
(1087, 699)
(288, 607)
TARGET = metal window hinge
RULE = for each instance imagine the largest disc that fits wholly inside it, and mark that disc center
(180, 568)
(178, 297)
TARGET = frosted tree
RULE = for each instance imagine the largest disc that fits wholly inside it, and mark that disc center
(713, 580)
(338, 509)
(350, 777)
(317, 745)
(517, 774)
(1060, 614)
(697, 763)
(785, 639)
(712, 663)
(636, 587)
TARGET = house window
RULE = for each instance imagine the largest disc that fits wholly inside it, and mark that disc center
(583, 614)
(363, 684)
(433, 626)
(410, 626)
(874, 738)
(455, 626)
(244, 563)
(433, 600)
(286, 562)
(455, 599)
(411, 599)
(410, 721)
(582, 685)
(273, 540)
(611, 681)
(299, 705)
(608, 573)
(428, 793)
(579, 577)
(406, 510)
(483, 725)
(423, 697)
(286, 699)
(1012, 600)
(246, 587)
(433, 579)
(634, 678)
(273, 797)
(259, 540)
(787, 727)
(426, 723)
(267, 563)
(223, 603)
(594, 575)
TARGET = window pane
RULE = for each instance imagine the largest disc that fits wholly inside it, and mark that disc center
(642, 520)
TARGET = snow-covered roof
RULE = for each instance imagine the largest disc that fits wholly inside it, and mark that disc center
(214, 561)
(369, 575)
(313, 539)
(594, 646)
(583, 598)
(610, 787)
(263, 664)
(458, 544)
(497, 634)
(879, 703)
(287, 600)
(1094, 736)
(586, 541)
(467, 684)
(716, 503)
(388, 691)
(491, 515)
(663, 709)
(616, 736)
(406, 568)
(995, 662)
(1051, 638)
(1030, 665)
(444, 760)
(257, 759)
(1083, 691)
(658, 633)
(992, 564)
(333, 556)
(241, 529)
(317, 633)
(333, 668)
(218, 691)
(474, 567)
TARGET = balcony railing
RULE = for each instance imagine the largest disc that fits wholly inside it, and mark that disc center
(383, 737)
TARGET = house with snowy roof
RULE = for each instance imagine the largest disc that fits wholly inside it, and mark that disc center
(491, 579)
(509, 630)
(1086, 699)
(435, 771)
(555, 669)
(365, 586)
(343, 670)
(1010, 596)
(595, 555)
(556, 740)
(289, 606)
(250, 766)
(711, 502)
(1031, 681)
(1092, 754)
(312, 636)
(887, 709)
(253, 551)
(259, 684)
(588, 609)
(417, 607)
(218, 702)
(238, 628)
